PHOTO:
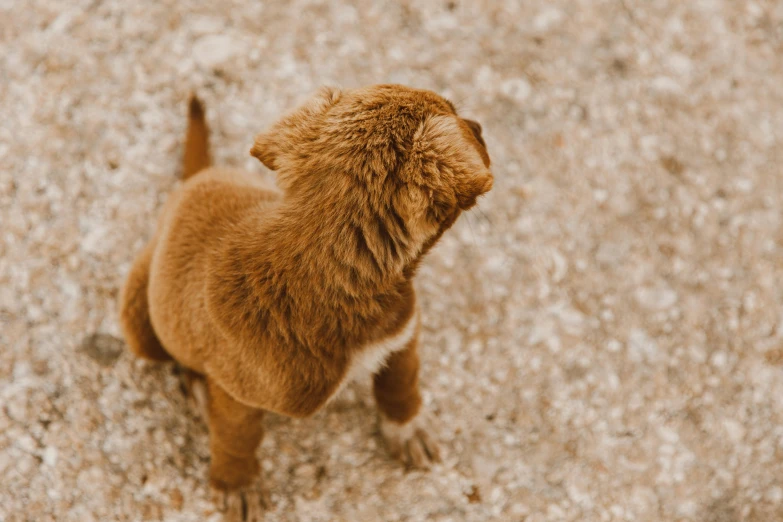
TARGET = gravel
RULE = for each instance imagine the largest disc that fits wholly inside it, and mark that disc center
(603, 338)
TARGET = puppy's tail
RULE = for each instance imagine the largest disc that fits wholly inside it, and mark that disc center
(197, 155)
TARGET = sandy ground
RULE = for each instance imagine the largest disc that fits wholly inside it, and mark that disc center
(603, 339)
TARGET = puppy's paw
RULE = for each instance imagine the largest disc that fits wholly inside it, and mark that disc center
(242, 505)
(411, 442)
(199, 397)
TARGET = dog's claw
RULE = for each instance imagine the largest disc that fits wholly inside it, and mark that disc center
(246, 505)
(411, 442)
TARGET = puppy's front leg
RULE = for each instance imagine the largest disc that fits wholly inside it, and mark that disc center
(235, 431)
(403, 426)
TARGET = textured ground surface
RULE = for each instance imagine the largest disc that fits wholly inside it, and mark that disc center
(603, 340)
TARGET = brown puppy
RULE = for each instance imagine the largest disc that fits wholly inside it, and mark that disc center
(280, 298)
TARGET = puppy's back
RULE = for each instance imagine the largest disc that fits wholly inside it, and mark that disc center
(195, 219)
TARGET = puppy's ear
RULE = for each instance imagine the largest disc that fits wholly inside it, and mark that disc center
(449, 161)
(284, 139)
(475, 131)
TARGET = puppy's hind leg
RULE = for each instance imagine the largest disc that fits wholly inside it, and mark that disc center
(135, 312)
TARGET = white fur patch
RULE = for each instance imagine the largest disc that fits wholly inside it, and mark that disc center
(371, 358)
(397, 433)
(411, 441)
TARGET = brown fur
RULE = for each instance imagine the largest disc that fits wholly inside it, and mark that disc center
(134, 310)
(271, 295)
(396, 386)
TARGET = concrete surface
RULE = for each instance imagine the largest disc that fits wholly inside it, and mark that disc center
(603, 339)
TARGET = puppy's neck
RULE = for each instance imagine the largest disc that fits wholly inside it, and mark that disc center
(318, 259)
(344, 242)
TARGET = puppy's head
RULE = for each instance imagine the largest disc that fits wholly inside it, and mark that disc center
(402, 152)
